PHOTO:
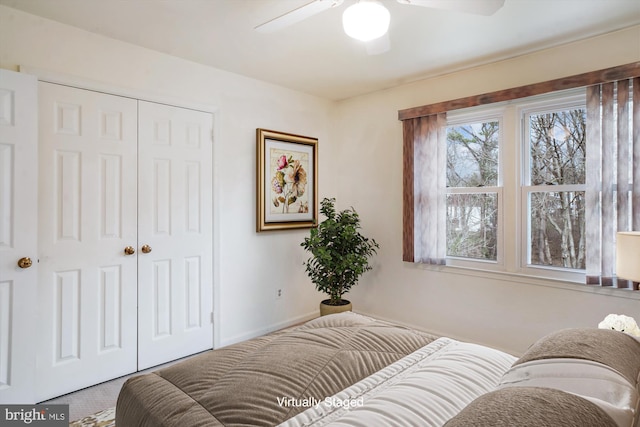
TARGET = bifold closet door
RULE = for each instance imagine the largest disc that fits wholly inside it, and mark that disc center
(87, 217)
(18, 235)
(175, 228)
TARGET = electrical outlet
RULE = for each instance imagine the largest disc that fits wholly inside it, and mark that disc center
(278, 293)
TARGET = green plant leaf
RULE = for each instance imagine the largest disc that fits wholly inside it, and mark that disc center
(339, 252)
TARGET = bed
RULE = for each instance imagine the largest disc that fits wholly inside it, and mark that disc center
(352, 370)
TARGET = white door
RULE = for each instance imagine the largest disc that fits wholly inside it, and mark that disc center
(175, 279)
(87, 217)
(18, 235)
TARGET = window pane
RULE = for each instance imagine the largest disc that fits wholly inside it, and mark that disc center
(557, 229)
(472, 155)
(472, 221)
(557, 147)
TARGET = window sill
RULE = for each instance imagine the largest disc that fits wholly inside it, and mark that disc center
(526, 279)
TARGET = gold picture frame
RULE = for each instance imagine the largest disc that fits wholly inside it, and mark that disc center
(287, 181)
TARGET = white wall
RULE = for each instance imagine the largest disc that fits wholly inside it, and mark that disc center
(505, 312)
(250, 266)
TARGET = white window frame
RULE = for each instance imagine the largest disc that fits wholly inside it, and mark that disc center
(479, 115)
(548, 103)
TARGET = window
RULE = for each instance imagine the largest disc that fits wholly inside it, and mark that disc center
(537, 185)
(542, 143)
(473, 189)
(554, 187)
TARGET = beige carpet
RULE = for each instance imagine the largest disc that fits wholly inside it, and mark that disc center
(92, 401)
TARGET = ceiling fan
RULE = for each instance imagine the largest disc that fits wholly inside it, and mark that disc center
(366, 12)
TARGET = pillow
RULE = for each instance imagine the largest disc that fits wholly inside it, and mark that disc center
(612, 348)
(599, 365)
(531, 407)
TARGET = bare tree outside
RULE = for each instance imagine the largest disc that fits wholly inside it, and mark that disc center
(471, 225)
(472, 216)
(557, 158)
(557, 146)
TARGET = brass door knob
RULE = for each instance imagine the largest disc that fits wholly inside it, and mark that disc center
(146, 249)
(129, 250)
(25, 262)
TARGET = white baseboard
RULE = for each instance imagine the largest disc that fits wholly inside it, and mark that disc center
(265, 330)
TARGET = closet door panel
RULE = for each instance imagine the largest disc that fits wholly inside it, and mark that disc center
(175, 279)
(18, 235)
(88, 215)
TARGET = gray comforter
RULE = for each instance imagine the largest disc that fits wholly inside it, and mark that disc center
(266, 380)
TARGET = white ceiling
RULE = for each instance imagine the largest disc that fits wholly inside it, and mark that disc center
(315, 56)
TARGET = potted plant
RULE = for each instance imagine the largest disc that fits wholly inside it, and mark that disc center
(339, 255)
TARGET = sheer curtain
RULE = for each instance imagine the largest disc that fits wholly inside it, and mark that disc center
(425, 138)
(613, 174)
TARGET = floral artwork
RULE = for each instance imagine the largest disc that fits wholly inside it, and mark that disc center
(287, 181)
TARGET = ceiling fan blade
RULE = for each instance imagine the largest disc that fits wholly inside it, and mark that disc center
(297, 15)
(478, 7)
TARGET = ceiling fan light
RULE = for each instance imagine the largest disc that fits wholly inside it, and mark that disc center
(366, 20)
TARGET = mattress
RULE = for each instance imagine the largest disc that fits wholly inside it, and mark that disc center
(266, 380)
(426, 388)
(350, 370)
(571, 378)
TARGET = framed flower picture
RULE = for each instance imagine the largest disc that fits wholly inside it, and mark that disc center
(287, 180)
